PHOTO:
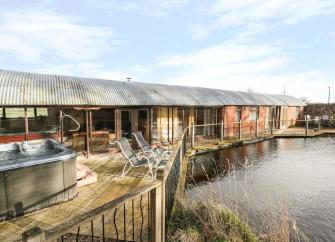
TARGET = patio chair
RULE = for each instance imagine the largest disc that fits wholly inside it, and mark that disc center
(146, 148)
(133, 159)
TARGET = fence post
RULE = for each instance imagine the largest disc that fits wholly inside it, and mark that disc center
(221, 133)
(306, 128)
(256, 128)
(240, 129)
(156, 214)
(33, 235)
(193, 134)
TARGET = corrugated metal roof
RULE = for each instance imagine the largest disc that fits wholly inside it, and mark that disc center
(28, 89)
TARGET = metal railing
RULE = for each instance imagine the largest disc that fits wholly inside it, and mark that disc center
(206, 134)
(132, 217)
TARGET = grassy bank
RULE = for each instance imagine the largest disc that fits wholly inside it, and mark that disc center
(207, 221)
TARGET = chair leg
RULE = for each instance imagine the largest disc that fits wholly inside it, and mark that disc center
(124, 171)
(152, 173)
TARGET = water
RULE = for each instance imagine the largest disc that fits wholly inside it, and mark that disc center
(296, 175)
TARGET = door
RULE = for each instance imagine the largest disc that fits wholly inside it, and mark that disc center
(143, 123)
(132, 120)
(126, 124)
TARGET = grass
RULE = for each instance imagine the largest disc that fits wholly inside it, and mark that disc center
(198, 221)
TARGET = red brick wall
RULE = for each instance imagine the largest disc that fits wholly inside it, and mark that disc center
(262, 117)
(229, 119)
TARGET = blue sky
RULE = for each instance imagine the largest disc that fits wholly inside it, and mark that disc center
(247, 45)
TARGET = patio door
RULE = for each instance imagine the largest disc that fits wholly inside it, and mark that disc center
(132, 120)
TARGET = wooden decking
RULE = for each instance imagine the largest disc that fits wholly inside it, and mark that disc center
(109, 187)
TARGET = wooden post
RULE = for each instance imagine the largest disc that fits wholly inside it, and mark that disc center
(33, 235)
(256, 128)
(193, 134)
(156, 214)
(26, 124)
(172, 131)
(61, 124)
(319, 124)
(306, 128)
(91, 130)
(272, 125)
(222, 130)
(87, 135)
(240, 129)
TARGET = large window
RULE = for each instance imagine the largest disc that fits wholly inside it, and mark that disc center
(200, 116)
(253, 114)
(126, 124)
(154, 125)
(104, 119)
(182, 121)
(199, 120)
(39, 120)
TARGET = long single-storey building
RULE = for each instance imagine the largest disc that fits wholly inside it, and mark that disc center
(74, 109)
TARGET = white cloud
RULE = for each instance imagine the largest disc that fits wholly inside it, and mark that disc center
(83, 69)
(239, 66)
(33, 35)
(241, 13)
(143, 7)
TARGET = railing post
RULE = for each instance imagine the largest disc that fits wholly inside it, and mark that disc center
(240, 129)
(193, 134)
(221, 133)
(33, 235)
(156, 214)
(256, 128)
(306, 128)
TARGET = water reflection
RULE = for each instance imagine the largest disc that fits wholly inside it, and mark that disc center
(294, 173)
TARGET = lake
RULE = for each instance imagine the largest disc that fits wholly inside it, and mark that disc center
(278, 176)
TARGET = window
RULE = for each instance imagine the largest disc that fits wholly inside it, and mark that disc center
(41, 112)
(19, 112)
(154, 125)
(253, 114)
(297, 112)
(104, 119)
(200, 116)
(126, 124)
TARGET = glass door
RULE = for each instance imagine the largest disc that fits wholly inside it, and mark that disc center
(126, 124)
(143, 122)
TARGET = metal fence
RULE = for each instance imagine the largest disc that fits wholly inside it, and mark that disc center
(207, 134)
(131, 217)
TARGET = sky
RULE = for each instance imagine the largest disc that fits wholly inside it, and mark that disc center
(272, 46)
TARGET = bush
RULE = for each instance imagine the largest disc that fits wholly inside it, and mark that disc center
(207, 221)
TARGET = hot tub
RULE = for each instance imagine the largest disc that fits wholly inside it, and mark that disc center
(35, 175)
